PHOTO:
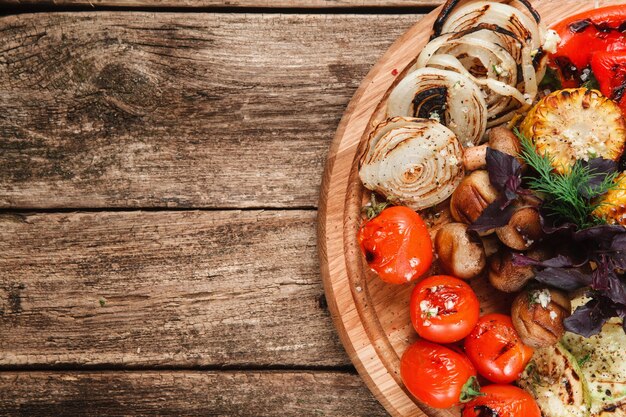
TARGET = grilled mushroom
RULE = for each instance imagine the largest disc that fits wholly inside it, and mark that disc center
(538, 316)
(507, 277)
(523, 230)
(460, 252)
(472, 196)
(500, 139)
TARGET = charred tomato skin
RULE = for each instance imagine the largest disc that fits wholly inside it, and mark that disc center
(444, 309)
(502, 401)
(397, 245)
(435, 374)
(496, 350)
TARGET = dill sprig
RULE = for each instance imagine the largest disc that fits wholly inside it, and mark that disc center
(569, 196)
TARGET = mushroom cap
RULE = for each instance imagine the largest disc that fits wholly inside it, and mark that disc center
(460, 252)
(538, 316)
(472, 196)
(523, 230)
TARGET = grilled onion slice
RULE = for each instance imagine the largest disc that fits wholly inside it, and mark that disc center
(508, 17)
(451, 97)
(483, 61)
(413, 162)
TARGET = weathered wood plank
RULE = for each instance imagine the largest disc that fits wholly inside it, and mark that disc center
(163, 289)
(268, 394)
(230, 3)
(176, 109)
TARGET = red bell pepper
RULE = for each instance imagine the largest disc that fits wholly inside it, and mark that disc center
(591, 31)
(609, 69)
(595, 39)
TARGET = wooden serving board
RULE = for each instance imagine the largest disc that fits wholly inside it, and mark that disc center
(373, 317)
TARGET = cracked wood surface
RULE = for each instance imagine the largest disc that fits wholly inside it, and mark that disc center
(163, 289)
(112, 109)
(150, 393)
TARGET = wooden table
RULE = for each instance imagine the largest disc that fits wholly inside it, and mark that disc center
(159, 171)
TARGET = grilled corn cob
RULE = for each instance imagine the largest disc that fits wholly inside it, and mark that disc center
(576, 123)
(612, 207)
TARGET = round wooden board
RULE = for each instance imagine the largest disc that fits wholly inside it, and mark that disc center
(373, 317)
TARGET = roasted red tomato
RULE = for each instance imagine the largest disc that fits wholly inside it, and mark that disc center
(397, 245)
(496, 350)
(444, 309)
(502, 401)
(438, 376)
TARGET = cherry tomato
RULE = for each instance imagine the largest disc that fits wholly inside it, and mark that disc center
(397, 245)
(496, 350)
(436, 375)
(444, 309)
(502, 401)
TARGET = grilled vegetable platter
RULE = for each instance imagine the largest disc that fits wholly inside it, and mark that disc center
(508, 136)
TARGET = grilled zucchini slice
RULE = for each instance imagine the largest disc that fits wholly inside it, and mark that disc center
(575, 123)
(603, 359)
(554, 378)
(613, 205)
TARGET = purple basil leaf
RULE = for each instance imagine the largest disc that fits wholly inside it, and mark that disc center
(564, 279)
(493, 216)
(550, 229)
(601, 274)
(603, 234)
(501, 168)
(556, 262)
(588, 320)
(616, 289)
(599, 168)
(619, 243)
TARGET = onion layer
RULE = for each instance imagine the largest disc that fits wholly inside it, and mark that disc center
(449, 96)
(413, 162)
(474, 13)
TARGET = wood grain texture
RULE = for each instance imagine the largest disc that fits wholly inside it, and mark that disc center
(176, 109)
(268, 394)
(230, 3)
(177, 289)
(373, 318)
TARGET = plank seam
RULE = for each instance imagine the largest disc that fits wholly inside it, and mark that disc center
(346, 369)
(366, 10)
(63, 210)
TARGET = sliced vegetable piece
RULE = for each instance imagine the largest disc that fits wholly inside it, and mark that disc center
(555, 380)
(609, 68)
(412, 162)
(473, 13)
(602, 358)
(575, 124)
(612, 207)
(449, 97)
(585, 33)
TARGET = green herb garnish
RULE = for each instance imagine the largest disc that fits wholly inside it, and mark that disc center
(584, 359)
(569, 196)
(551, 80)
(592, 82)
